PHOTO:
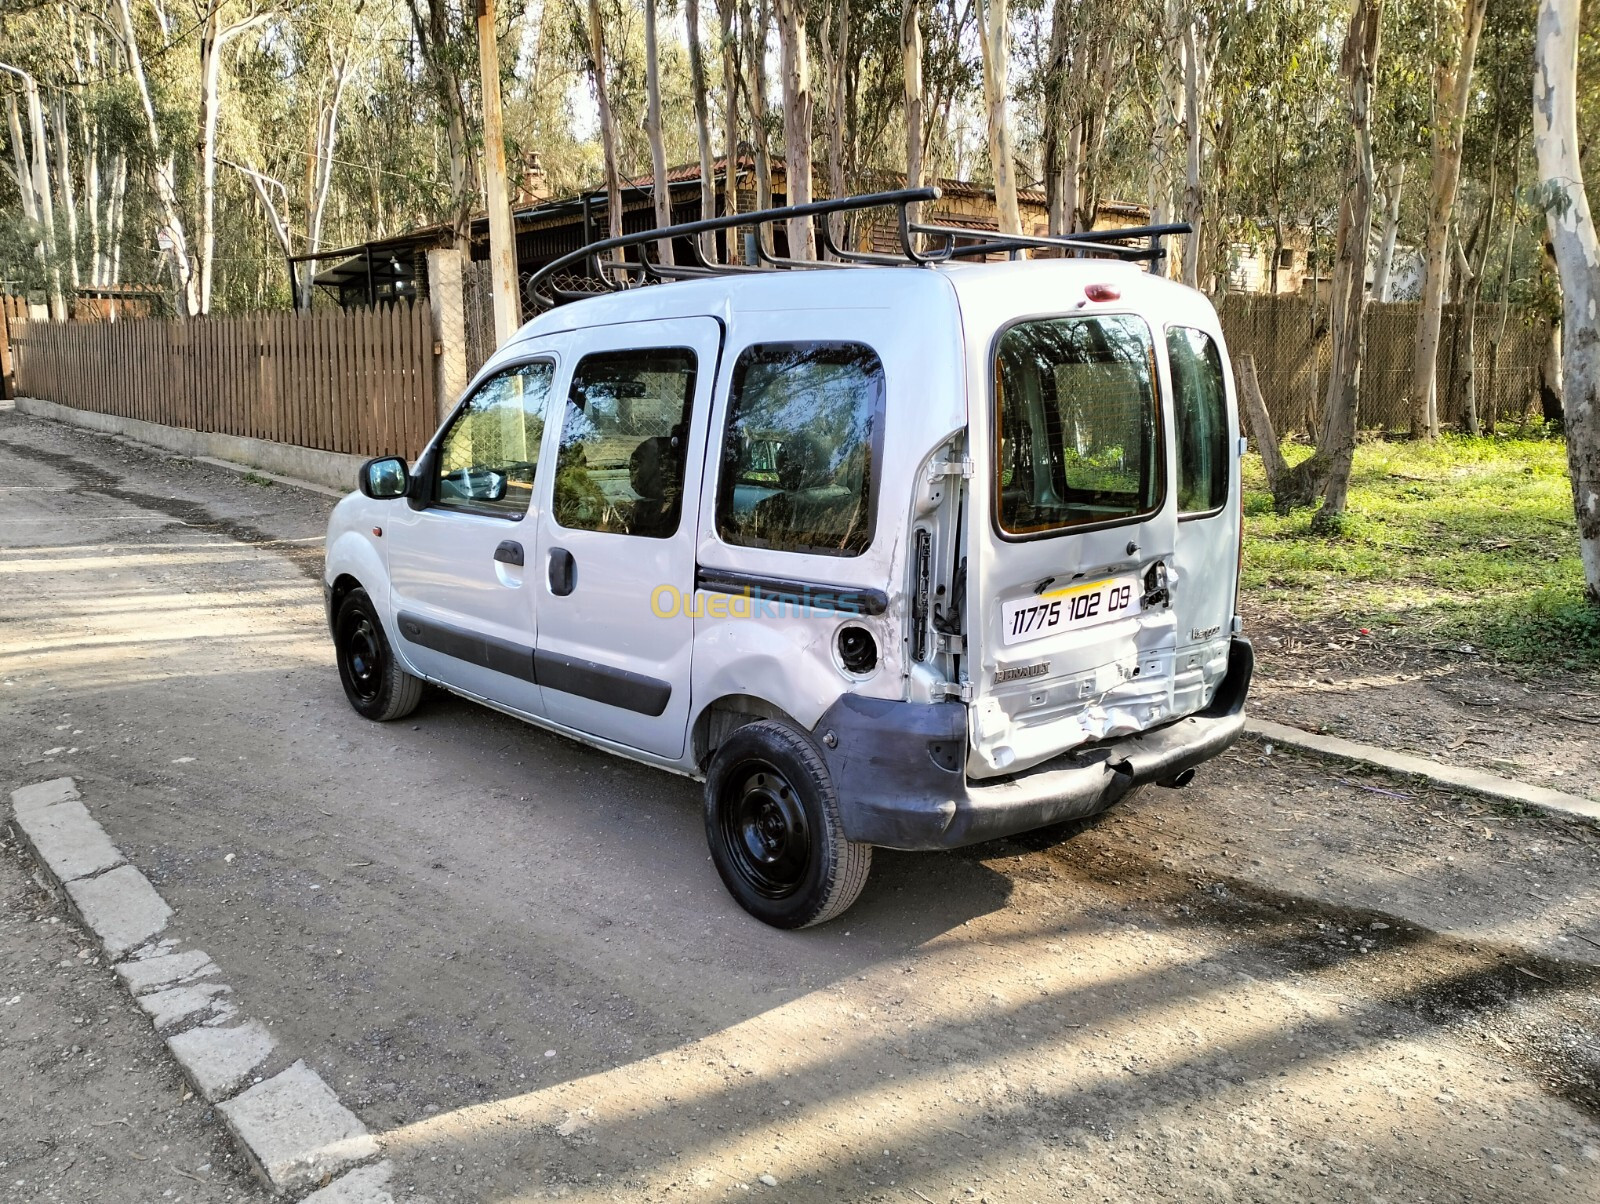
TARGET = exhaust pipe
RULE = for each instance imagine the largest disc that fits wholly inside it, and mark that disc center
(1178, 780)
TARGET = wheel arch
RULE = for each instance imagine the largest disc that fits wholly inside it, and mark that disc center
(338, 590)
(721, 718)
(354, 563)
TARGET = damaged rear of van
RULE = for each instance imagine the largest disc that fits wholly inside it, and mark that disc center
(1095, 501)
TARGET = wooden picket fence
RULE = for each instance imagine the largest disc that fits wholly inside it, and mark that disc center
(359, 381)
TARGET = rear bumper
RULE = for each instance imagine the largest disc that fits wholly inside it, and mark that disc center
(897, 768)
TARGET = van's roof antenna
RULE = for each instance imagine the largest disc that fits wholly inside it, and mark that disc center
(942, 243)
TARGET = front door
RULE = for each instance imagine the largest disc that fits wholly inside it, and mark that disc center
(461, 567)
(616, 555)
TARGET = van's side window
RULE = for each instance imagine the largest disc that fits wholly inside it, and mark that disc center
(802, 446)
(1200, 405)
(1076, 421)
(623, 441)
(488, 456)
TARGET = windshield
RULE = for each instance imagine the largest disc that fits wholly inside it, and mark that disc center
(1076, 422)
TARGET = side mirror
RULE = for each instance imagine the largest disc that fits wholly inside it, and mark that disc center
(384, 478)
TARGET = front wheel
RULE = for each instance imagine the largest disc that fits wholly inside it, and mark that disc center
(374, 682)
(772, 820)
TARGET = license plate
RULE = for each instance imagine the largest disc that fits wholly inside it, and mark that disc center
(1068, 609)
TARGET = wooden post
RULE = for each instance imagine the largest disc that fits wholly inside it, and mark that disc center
(8, 376)
(502, 243)
(446, 302)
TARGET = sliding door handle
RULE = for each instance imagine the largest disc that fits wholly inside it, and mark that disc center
(563, 572)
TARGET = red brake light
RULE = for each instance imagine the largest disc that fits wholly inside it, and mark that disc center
(1103, 292)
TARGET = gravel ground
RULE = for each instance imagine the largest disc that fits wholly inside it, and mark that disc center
(91, 1106)
(1445, 701)
(511, 956)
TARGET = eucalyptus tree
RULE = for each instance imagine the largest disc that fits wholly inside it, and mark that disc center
(446, 45)
(608, 125)
(1576, 248)
(995, 36)
(1462, 24)
(795, 53)
(660, 188)
(911, 53)
(702, 112)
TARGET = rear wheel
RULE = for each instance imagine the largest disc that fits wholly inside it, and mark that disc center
(374, 682)
(772, 820)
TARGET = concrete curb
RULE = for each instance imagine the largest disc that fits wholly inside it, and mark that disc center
(291, 1126)
(330, 473)
(1453, 777)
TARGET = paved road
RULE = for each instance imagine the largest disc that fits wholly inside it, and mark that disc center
(512, 957)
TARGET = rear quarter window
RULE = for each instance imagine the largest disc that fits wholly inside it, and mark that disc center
(1200, 413)
(801, 449)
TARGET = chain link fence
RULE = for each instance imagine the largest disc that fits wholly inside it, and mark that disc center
(1291, 342)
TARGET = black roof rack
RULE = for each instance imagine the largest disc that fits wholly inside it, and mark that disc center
(1138, 243)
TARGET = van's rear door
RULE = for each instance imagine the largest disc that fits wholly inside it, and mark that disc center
(1071, 635)
(1204, 583)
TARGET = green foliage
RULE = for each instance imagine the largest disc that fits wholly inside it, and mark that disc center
(1466, 540)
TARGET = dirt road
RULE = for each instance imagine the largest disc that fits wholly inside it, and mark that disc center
(512, 957)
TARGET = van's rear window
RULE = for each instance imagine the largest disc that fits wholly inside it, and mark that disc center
(1076, 424)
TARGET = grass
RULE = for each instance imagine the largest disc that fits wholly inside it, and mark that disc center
(1469, 541)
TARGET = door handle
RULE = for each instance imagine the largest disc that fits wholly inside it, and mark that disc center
(509, 552)
(563, 572)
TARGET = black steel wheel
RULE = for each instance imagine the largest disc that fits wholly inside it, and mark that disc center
(772, 820)
(373, 679)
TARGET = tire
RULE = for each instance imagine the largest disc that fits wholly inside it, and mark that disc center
(377, 687)
(772, 820)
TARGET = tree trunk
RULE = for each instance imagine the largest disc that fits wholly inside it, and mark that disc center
(726, 10)
(1577, 253)
(757, 18)
(114, 213)
(1096, 120)
(206, 150)
(324, 143)
(911, 70)
(171, 234)
(441, 52)
(1467, 313)
(1336, 441)
(797, 108)
(1327, 472)
(702, 121)
(32, 170)
(1057, 98)
(214, 40)
(995, 35)
(1194, 80)
(1259, 421)
(1168, 121)
(1452, 90)
(608, 123)
(22, 173)
(69, 202)
(1393, 186)
(661, 187)
(835, 44)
